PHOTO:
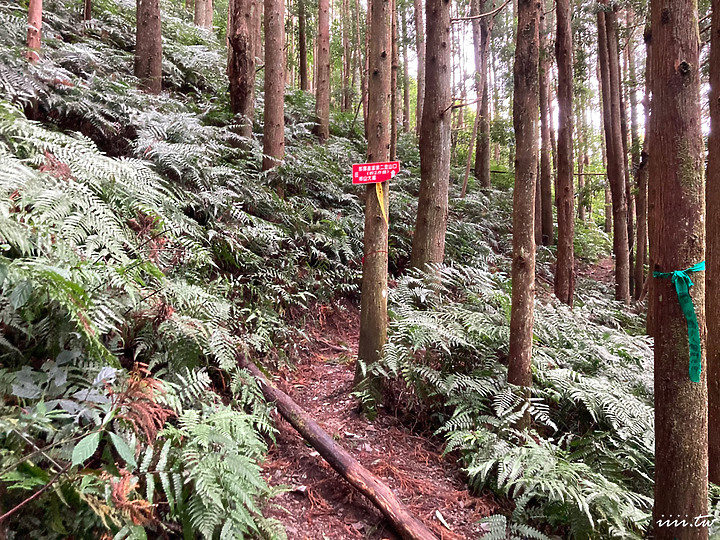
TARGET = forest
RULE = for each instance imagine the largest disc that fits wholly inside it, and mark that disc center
(359, 269)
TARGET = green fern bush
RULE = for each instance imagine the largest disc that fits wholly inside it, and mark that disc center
(587, 467)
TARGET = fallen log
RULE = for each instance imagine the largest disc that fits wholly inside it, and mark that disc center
(405, 523)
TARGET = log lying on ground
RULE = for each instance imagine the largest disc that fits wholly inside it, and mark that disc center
(406, 524)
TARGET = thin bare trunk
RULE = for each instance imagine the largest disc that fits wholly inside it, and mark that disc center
(347, 57)
(302, 46)
(274, 116)
(394, 84)
(148, 46)
(87, 10)
(565, 268)
(430, 225)
(322, 103)
(420, 50)
(613, 142)
(406, 78)
(546, 179)
(712, 277)
(525, 122)
(34, 32)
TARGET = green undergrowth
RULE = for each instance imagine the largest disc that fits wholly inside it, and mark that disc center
(142, 249)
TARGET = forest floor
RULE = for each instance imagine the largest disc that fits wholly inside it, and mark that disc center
(319, 504)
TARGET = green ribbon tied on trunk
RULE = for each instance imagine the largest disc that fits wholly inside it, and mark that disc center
(682, 282)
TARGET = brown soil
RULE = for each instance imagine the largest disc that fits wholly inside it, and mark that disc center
(603, 271)
(320, 504)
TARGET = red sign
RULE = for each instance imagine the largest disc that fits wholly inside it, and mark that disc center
(372, 173)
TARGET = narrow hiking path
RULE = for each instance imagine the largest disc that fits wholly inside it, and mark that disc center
(320, 504)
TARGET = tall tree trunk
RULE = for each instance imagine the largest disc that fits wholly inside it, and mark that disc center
(347, 57)
(482, 153)
(302, 46)
(614, 148)
(148, 46)
(274, 112)
(34, 32)
(363, 63)
(565, 269)
(429, 239)
(525, 113)
(241, 63)
(209, 14)
(373, 304)
(322, 99)
(712, 277)
(538, 209)
(677, 241)
(420, 50)
(481, 41)
(200, 13)
(581, 155)
(87, 10)
(642, 184)
(394, 84)
(406, 77)
(546, 182)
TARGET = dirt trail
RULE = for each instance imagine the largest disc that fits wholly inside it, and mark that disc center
(321, 505)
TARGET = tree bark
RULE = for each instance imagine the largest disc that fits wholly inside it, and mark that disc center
(200, 13)
(525, 122)
(642, 184)
(394, 84)
(431, 222)
(322, 89)
(406, 78)
(481, 41)
(302, 47)
(347, 57)
(241, 63)
(713, 252)
(614, 148)
(374, 288)
(274, 113)
(34, 33)
(403, 521)
(209, 14)
(565, 268)
(363, 63)
(148, 46)
(420, 50)
(482, 153)
(677, 241)
(546, 181)
(87, 10)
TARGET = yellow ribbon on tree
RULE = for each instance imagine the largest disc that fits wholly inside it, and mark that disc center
(381, 200)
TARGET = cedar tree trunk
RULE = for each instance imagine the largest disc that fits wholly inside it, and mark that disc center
(374, 288)
(615, 163)
(677, 241)
(431, 222)
(34, 33)
(565, 268)
(241, 63)
(302, 46)
(322, 89)
(525, 122)
(713, 252)
(546, 202)
(148, 46)
(420, 50)
(274, 132)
